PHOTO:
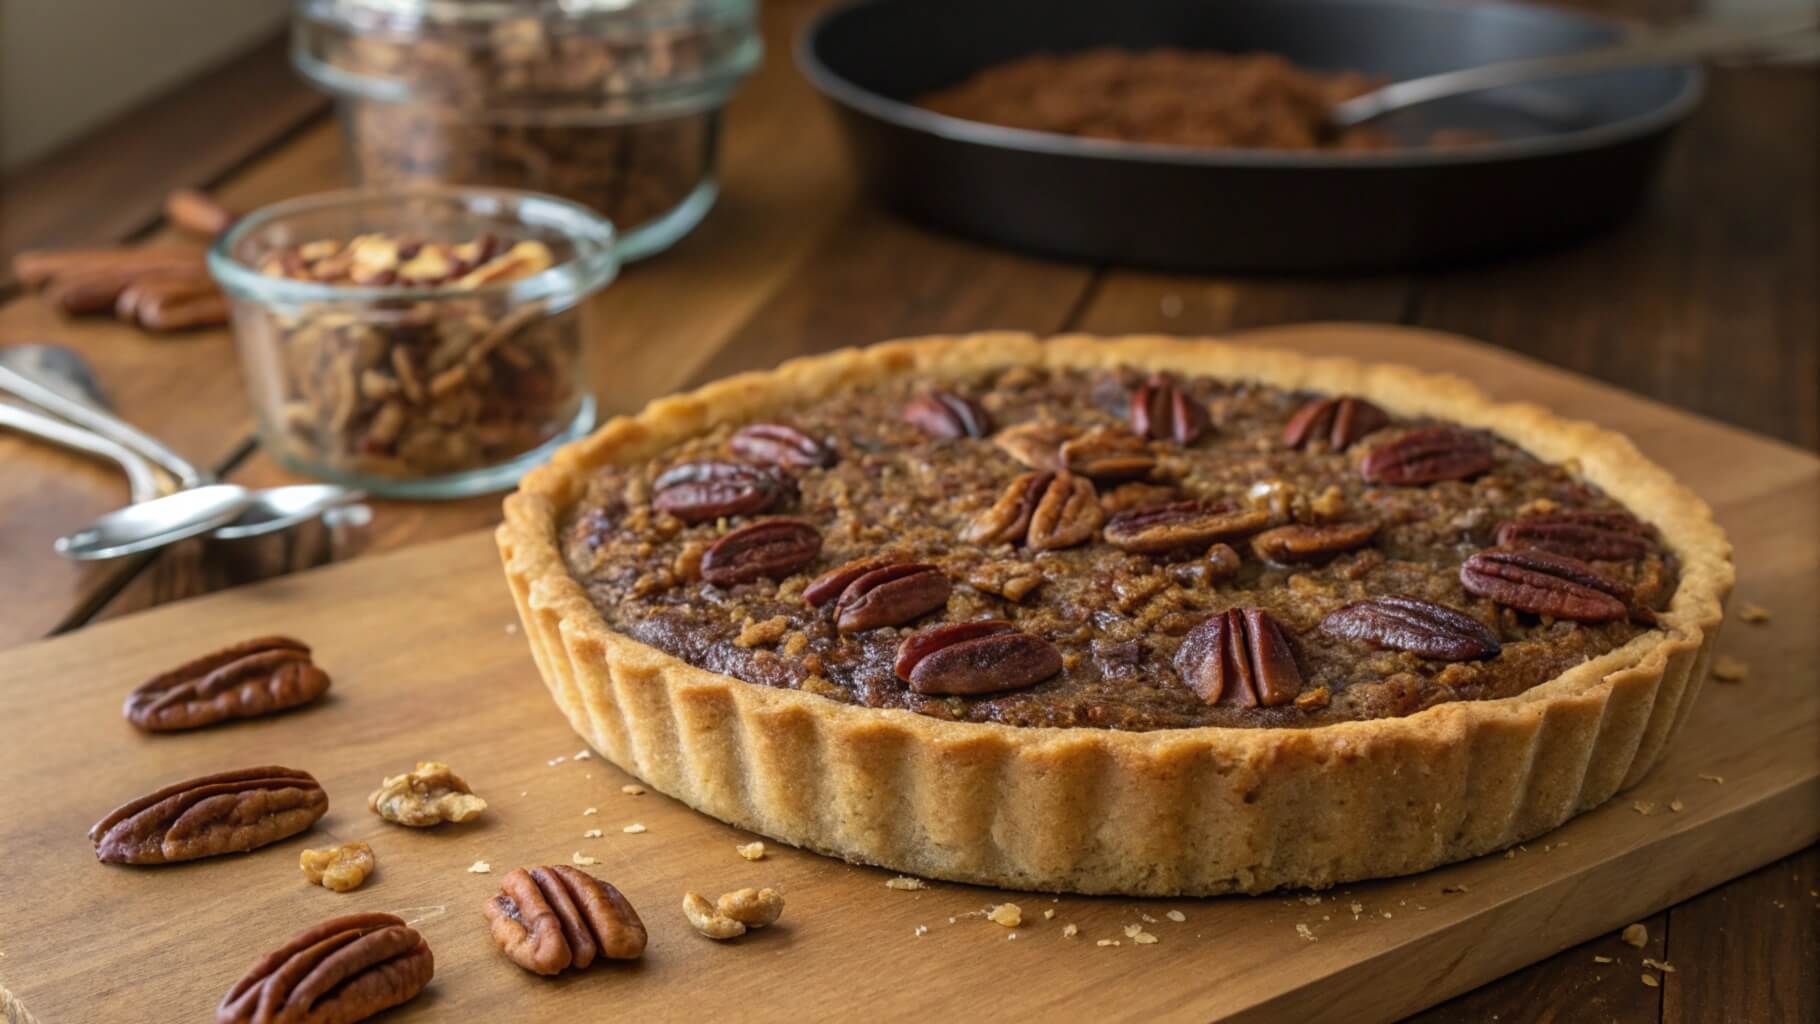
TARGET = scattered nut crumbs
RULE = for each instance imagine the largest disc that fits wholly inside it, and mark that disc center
(906, 883)
(1146, 918)
(1357, 909)
(480, 867)
(1177, 916)
(511, 629)
(592, 833)
(1642, 807)
(1137, 934)
(1049, 914)
(1755, 614)
(922, 930)
(1312, 899)
(1597, 959)
(585, 755)
(1009, 915)
(1660, 965)
(1305, 932)
(1676, 805)
(1717, 780)
(1728, 669)
(633, 829)
(751, 851)
(554, 761)
(1450, 889)
(1650, 980)
(582, 860)
(1107, 942)
(591, 810)
(1069, 931)
(631, 789)
(1635, 935)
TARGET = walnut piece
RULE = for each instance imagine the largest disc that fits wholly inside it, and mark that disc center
(734, 912)
(430, 795)
(338, 868)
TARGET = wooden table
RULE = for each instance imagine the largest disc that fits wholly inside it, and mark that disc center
(1706, 301)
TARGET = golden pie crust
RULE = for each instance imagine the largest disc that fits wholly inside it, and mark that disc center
(1167, 812)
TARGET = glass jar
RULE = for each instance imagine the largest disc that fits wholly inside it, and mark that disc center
(418, 343)
(612, 103)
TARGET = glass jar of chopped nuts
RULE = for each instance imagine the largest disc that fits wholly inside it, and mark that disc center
(419, 343)
(611, 103)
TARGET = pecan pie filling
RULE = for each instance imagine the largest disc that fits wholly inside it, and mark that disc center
(1121, 550)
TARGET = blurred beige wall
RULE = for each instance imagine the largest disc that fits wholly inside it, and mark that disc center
(67, 65)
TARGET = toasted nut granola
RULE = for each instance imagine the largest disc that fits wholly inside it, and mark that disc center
(340, 868)
(343, 970)
(245, 680)
(548, 919)
(430, 795)
(231, 812)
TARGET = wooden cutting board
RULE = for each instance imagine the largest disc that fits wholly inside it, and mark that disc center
(428, 663)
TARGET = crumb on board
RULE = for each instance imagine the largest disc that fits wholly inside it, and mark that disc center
(633, 829)
(1651, 981)
(1717, 780)
(1448, 890)
(1109, 942)
(1755, 614)
(480, 867)
(1177, 916)
(1676, 805)
(589, 811)
(584, 755)
(1049, 914)
(1635, 935)
(751, 851)
(1305, 932)
(1007, 915)
(632, 789)
(554, 761)
(592, 833)
(1070, 930)
(1659, 965)
(1597, 959)
(905, 883)
(582, 860)
(1728, 669)
(922, 930)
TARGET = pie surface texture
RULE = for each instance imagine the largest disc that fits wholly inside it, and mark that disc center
(1244, 654)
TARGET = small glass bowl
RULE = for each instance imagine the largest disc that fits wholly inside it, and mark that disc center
(410, 391)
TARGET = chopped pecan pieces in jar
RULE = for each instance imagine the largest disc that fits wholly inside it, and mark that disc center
(427, 796)
(344, 970)
(1423, 628)
(1337, 422)
(549, 919)
(1544, 583)
(771, 548)
(245, 680)
(1163, 411)
(231, 812)
(975, 657)
(339, 868)
(1240, 656)
(945, 415)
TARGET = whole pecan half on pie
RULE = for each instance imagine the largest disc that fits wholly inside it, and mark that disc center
(1425, 456)
(945, 415)
(1340, 422)
(1239, 656)
(1181, 525)
(1164, 411)
(1108, 456)
(343, 970)
(1588, 536)
(231, 812)
(548, 919)
(772, 548)
(780, 444)
(246, 680)
(962, 658)
(1297, 543)
(1043, 511)
(1423, 628)
(1544, 583)
(697, 492)
(877, 592)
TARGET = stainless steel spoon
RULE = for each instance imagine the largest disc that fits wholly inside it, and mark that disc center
(142, 482)
(228, 511)
(1702, 39)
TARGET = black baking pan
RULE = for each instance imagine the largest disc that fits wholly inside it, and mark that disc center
(1573, 155)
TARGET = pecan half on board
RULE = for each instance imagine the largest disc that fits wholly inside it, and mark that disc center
(231, 812)
(697, 492)
(1340, 422)
(343, 970)
(1544, 583)
(945, 415)
(964, 658)
(249, 679)
(772, 548)
(876, 592)
(1239, 656)
(1425, 456)
(1163, 411)
(1588, 536)
(1043, 511)
(549, 919)
(1422, 628)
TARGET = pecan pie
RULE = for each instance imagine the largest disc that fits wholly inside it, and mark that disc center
(1130, 616)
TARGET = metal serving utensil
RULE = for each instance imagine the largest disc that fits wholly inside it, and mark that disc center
(1701, 39)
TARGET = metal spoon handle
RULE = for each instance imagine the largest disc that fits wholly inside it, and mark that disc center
(104, 423)
(143, 483)
(1697, 40)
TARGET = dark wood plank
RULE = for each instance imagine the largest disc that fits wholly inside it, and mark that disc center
(110, 184)
(1571, 986)
(1129, 301)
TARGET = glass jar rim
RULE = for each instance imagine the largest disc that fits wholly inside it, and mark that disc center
(482, 12)
(592, 266)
